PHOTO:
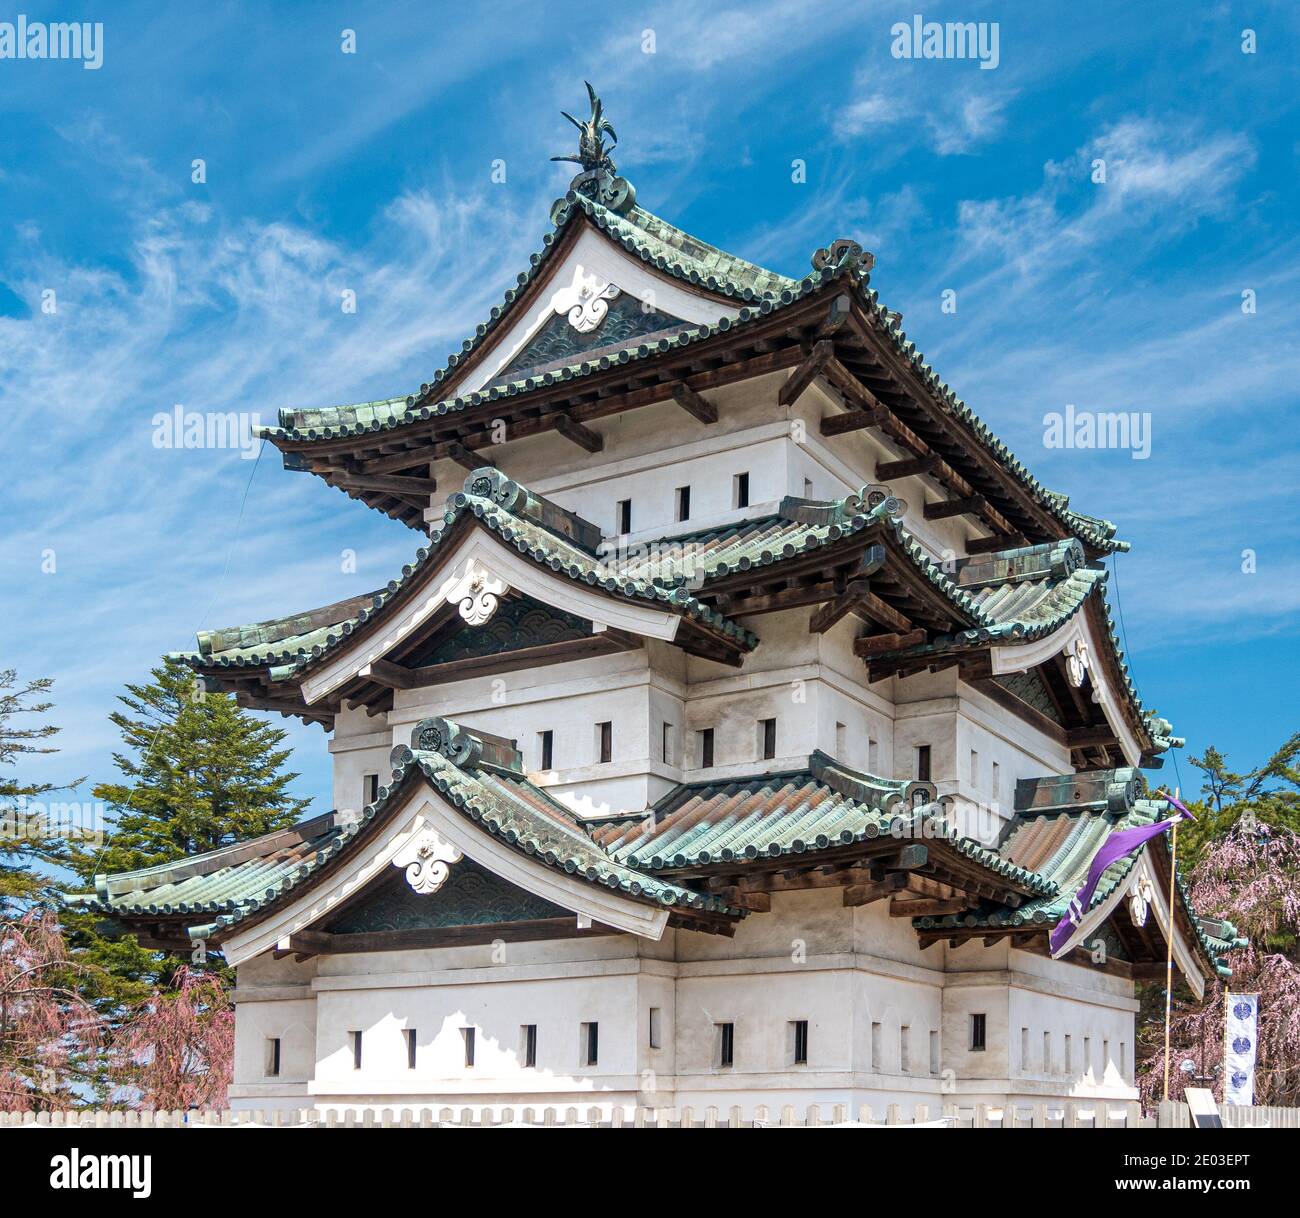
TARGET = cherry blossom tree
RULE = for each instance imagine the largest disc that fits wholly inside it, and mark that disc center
(1250, 876)
(177, 1050)
(50, 1036)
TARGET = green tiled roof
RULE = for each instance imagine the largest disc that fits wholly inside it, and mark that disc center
(1013, 596)
(489, 498)
(1058, 843)
(1044, 853)
(229, 886)
(771, 815)
(758, 291)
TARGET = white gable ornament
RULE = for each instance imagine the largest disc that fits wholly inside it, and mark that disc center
(478, 592)
(1077, 663)
(427, 859)
(585, 300)
(1139, 901)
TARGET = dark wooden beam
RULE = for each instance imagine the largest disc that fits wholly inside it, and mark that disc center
(876, 644)
(467, 457)
(837, 315)
(972, 505)
(926, 908)
(865, 894)
(392, 676)
(877, 610)
(582, 436)
(804, 375)
(691, 402)
(852, 420)
(520, 657)
(990, 545)
(907, 468)
(317, 943)
(833, 611)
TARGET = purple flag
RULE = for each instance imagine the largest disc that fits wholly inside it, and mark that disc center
(1119, 844)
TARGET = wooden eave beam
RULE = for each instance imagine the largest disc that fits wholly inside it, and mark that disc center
(972, 505)
(834, 610)
(853, 420)
(991, 545)
(821, 354)
(878, 644)
(909, 467)
(881, 347)
(580, 435)
(869, 604)
(701, 409)
(392, 676)
(466, 457)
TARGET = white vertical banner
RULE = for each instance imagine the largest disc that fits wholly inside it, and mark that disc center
(1240, 1028)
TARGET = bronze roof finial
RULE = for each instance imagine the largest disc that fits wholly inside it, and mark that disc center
(599, 178)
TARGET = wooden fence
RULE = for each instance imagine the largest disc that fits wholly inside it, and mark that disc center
(1076, 1115)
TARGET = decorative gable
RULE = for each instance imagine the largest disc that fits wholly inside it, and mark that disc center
(470, 896)
(619, 320)
(519, 622)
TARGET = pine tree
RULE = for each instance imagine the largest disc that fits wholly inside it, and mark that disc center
(198, 773)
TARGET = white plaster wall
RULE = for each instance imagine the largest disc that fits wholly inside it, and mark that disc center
(857, 976)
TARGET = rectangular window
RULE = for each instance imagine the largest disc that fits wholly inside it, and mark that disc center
(1123, 1059)
(624, 516)
(1024, 1050)
(996, 784)
(356, 1050)
(1069, 1054)
(590, 1043)
(410, 1048)
(934, 1052)
(1047, 1053)
(841, 742)
(467, 1035)
(974, 768)
(528, 1044)
(605, 741)
(725, 1037)
(873, 755)
(1105, 1057)
(799, 1042)
(767, 738)
(546, 749)
(807, 488)
(1087, 1055)
(740, 490)
(371, 784)
(706, 747)
(977, 1026)
(683, 503)
(923, 762)
(875, 1047)
(272, 1056)
(666, 743)
(653, 1031)
(904, 1048)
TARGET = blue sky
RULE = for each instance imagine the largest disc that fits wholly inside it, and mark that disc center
(372, 172)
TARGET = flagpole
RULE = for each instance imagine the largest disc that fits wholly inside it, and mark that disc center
(1169, 936)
